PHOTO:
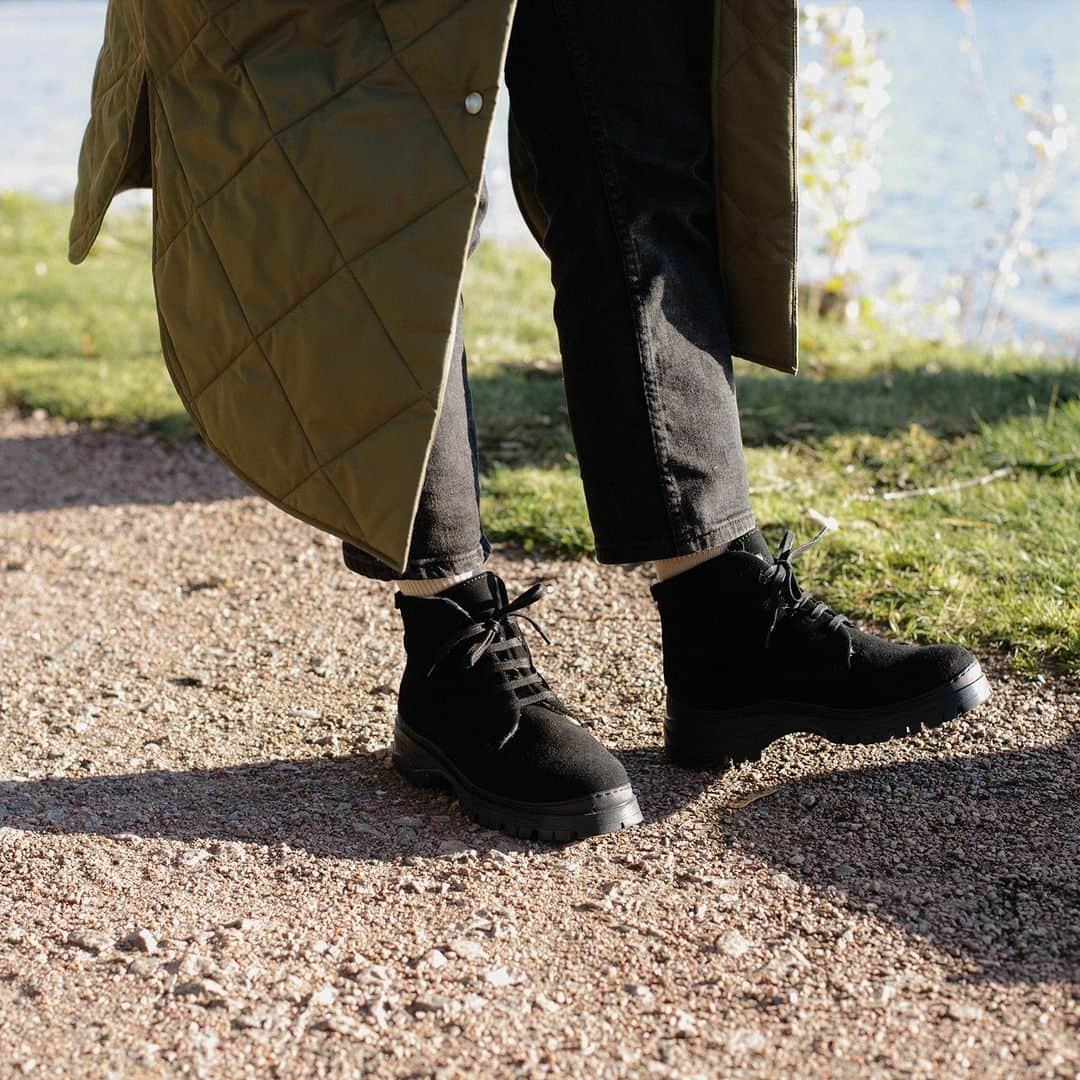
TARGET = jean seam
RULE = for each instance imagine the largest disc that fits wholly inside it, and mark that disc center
(630, 266)
(447, 560)
(692, 542)
(450, 564)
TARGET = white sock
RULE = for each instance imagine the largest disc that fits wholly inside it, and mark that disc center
(666, 568)
(434, 586)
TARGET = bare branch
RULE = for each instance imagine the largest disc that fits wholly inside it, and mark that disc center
(942, 489)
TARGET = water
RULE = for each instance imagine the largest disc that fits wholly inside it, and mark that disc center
(938, 152)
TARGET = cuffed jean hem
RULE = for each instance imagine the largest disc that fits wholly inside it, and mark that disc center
(438, 566)
(727, 530)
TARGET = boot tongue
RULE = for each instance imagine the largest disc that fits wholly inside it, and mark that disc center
(753, 543)
(478, 595)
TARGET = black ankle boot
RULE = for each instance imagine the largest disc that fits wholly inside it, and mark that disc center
(474, 714)
(749, 657)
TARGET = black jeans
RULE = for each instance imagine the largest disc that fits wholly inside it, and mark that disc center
(611, 146)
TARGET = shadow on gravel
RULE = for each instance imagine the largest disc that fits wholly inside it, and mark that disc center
(979, 854)
(354, 807)
(89, 467)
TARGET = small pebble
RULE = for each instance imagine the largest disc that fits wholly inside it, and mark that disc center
(733, 944)
(143, 940)
(90, 940)
(685, 1028)
(455, 847)
(435, 958)
(201, 987)
(958, 1010)
(423, 1003)
(466, 949)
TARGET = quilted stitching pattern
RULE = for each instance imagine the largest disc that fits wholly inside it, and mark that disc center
(315, 177)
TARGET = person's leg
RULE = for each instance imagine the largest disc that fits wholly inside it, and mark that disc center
(448, 542)
(473, 713)
(612, 161)
(611, 108)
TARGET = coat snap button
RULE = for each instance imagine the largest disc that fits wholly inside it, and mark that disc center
(474, 103)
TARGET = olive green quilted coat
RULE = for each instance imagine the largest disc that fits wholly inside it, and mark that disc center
(316, 167)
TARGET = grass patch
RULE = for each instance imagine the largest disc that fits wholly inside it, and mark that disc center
(81, 341)
(993, 565)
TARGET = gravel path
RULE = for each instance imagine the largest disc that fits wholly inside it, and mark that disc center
(207, 866)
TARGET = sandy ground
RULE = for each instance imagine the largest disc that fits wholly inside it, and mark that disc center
(207, 866)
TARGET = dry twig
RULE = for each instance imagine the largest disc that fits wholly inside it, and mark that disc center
(942, 489)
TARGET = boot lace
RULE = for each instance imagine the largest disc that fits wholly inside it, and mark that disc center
(789, 600)
(496, 636)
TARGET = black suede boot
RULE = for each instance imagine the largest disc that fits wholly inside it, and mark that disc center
(749, 657)
(474, 714)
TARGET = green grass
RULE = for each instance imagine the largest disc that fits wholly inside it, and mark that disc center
(81, 341)
(994, 565)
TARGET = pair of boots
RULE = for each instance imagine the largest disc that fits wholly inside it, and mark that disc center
(748, 658)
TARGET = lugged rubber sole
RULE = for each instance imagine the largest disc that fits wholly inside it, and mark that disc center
(425, 765)
(705, 738)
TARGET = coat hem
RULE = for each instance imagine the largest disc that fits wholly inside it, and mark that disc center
(79, 247)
